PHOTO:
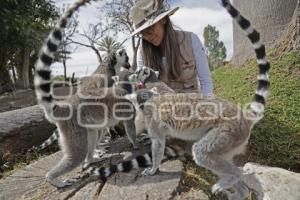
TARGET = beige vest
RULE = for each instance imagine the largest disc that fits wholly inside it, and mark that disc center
(188, 81)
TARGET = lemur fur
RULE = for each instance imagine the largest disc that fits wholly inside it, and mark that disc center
(73, 114)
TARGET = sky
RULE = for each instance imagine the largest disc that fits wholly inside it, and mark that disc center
(193, 16)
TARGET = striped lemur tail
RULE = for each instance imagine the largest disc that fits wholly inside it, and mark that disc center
(42, 80)
(142, 161)
(257, 106)
(53, 138)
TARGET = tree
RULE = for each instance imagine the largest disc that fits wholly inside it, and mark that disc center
(269, 17)
(290, 40)
(118, 14)
(24, 24)
(92, 37)
(109, 45)
(216, 49)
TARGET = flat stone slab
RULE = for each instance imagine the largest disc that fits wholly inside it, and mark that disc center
(29, 182)
(192, 195)
(139, 187)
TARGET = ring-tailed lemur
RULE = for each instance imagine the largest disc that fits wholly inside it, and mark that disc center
(82, 115)
(174, 148)
(144, 94)
(218, 129)
(113, 64)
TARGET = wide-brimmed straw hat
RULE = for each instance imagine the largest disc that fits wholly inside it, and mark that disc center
(145, 13)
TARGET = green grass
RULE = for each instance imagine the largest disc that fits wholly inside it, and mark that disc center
(275, 140)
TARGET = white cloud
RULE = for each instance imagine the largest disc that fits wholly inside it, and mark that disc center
(197, 3)
(193, 16)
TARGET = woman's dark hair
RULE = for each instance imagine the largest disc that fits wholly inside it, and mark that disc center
(152, 55)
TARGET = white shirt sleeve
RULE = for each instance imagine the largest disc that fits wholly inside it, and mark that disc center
(139, 59)
(202, 66)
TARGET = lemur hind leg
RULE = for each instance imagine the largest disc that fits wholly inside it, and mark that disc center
(73, 155)
(131, 132)
(157, 148)
(93, 137)
(209, 153)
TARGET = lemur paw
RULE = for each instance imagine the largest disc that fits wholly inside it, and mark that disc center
(100, 152)
(67, 183)
(85, 166)
(149, 171)
(61, 184)
(216, 189)
(225, 183)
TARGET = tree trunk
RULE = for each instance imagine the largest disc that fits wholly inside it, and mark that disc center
(23, 70)
(65, 69)
(135, 47)
(269, 17)
(98, 54)
(31, 75)
(290, 40)
(5, 80)
(13, 69)
(23, 128)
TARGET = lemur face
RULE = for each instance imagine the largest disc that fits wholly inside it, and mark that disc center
(122, 58)
(144, 75)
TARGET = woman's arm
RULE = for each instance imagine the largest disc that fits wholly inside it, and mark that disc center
(139, 59)
(202, 66)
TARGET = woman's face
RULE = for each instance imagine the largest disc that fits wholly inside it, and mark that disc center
(155, 33)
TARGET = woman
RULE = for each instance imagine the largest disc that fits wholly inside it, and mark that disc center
(178, 55)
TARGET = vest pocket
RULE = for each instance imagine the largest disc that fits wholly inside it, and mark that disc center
(188, 71)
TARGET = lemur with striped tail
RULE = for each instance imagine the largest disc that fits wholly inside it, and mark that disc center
(80, 116)
(217, 128)
(103, 76)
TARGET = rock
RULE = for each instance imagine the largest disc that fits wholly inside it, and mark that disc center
(29, 183)
(270, 183)
(23, 125)
(192, 195)
(23, 128)
(138, 187)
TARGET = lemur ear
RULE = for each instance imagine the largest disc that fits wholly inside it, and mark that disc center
(157, 73)
(116, 79)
